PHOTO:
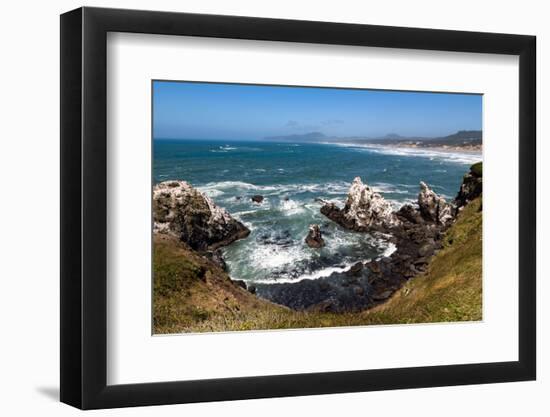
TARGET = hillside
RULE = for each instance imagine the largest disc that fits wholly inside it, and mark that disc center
(463, 139)
(192, 294)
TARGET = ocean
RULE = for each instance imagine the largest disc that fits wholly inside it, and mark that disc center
(291, 177)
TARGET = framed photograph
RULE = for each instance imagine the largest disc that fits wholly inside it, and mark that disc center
(258, 208)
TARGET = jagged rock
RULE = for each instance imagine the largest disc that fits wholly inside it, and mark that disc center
(314, 238)
(426, 249)
(356, 269)
(471, 187)
(382, 296)
(364, 210)
(359, 291)
(410, 213)
(216, 256)
(182, 211)
(257, 198)
(239, 283)
(434, 208)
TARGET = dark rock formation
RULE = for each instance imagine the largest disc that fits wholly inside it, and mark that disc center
(409, 213)
(239, 283)
(257, 198)
(356, 269)
(416, 232)
(314, 238)
(364, 210)
(434, 208)
(184, 212)
(216, 256)
(339, 292)
(472, 185)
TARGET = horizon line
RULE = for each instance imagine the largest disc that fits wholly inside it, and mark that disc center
(267, 138)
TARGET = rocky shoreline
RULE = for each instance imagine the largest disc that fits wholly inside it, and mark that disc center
(181, 211)
(416, 231)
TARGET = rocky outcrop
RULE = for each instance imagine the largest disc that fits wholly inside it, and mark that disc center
(184, 212)
(257, 198)
(339, 292)
(314, 238)
(364, 210)
(433, 207)
(415, 230)
(472, 186)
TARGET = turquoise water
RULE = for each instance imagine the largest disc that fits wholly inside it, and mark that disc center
(291, 177)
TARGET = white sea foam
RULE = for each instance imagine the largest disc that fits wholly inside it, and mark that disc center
(382, 187)
(274, 256)
(212, 193)
(313, 275)
(290, 207)
(330, 188)
(391, 248)
(240, 214)
(277, 257)
(225, 148)
(465, 157)
(223, 185)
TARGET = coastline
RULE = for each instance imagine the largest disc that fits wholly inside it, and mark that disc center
(206, 300)
(468, 150)
(417, 234)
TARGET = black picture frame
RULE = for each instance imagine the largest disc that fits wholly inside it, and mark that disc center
(84, 207)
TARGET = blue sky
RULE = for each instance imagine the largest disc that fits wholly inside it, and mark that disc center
(248, 112)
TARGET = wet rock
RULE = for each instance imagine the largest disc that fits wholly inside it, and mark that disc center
(356, 269)
(314, 238)
(434, 208)
(374, 267)
(338, 293)
(364, 210)
(410, 213)
(251, 289)
(257, 198)
(184, 212)
(382, 296)
(359, 291)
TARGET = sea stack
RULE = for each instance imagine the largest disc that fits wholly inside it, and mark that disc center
(364, 210)
(433, 207)
(314, 238)
(192, 217)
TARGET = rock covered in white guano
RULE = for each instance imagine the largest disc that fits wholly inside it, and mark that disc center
(364, 210)
(314, 238)
(433, 207)
(183, 211)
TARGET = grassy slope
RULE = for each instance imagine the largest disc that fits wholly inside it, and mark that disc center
(193, 295)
